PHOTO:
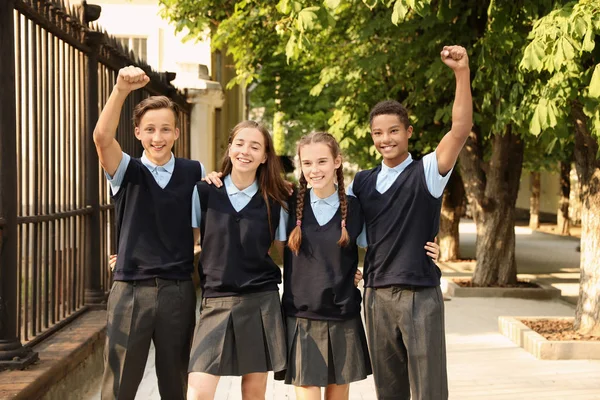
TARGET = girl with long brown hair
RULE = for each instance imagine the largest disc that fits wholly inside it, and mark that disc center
(327, 346)
(240, 331)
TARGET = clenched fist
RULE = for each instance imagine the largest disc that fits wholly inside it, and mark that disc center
(455, 57)
(131, 78)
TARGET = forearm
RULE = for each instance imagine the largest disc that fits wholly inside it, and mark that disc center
(462, 109)
(279, 246)
(196, 232)
(462, 122)
(106, 127)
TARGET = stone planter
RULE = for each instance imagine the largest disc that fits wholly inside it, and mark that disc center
(544, 349)
(544, 292)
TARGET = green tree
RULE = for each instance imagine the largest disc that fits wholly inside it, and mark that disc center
(563, 51)
(401, 62)
(366, 51)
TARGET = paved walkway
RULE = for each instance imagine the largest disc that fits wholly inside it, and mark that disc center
(548, 258)
(482, 363)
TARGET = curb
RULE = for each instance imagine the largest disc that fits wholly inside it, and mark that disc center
(544, 349)
(545, 292)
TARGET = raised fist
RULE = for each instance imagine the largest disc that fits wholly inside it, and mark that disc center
(131, 78)
(455, 57)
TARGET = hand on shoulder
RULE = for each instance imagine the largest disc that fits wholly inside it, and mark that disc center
(214, 178)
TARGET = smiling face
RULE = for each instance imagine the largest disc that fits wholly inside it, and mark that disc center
(390, 137)
(319, 167)
(157, 132)
(247, 150)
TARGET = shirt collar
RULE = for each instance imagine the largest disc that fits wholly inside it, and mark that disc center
(169, 166)
(398, 168)
(231, 189)
(333, 200)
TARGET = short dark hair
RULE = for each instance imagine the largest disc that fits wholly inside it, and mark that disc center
(390, 107)
(154, 103)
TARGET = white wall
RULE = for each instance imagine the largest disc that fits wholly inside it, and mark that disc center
(166, 50)
(549, 195)
(202, 144)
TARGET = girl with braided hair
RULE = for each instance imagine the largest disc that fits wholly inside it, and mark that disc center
(327, 346)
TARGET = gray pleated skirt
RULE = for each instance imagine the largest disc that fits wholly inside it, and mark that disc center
(238, 335)
(322, 353)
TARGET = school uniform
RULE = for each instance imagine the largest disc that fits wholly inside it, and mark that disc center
(152, 297)
(326, 338)
(240, 330)
(404, 310)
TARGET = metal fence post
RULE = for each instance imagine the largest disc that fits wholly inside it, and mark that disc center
(94, 293)
(12, 353)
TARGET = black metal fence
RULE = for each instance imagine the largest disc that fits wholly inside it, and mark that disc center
(56, 218)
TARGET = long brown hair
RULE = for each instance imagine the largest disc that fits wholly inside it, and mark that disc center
(268, 175)
(295, 239)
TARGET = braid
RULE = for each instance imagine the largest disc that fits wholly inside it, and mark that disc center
(295, 239)
(344, 237)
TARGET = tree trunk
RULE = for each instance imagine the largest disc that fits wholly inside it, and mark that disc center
(492, 197)
(563, 221)
(587, 315)
(278, 130)
(453, 207)
(495, 248)
(278, 133)
(534, 201)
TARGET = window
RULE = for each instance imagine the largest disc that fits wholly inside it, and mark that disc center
(138, 45)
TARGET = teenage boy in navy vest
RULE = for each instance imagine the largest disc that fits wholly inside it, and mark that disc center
(401, 200)
(152, 297)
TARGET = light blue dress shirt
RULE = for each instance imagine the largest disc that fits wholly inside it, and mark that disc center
(325, 209)
(435, 182)
(387, 176)
(239, 199)
(161, 173)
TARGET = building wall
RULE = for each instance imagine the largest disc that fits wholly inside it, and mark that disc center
(549, 196)
(235, 106)
(550, 191)
(166, 50)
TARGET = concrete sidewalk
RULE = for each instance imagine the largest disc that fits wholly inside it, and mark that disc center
(482, 364)
(541, 256)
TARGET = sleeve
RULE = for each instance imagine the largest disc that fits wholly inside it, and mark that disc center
(117, 179)
(281, 233)
(349, 190)
(361, 240)
(196, 209)
(435, 182)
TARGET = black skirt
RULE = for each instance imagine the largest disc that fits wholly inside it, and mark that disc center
(238, 335)
(322, 353)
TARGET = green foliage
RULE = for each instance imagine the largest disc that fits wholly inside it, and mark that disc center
(595, 83)
(337, 58)
(563, 54)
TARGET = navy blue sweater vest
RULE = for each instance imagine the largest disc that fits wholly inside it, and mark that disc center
(154, 229)
(399, 222)
(235, 245)
(319, 281)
